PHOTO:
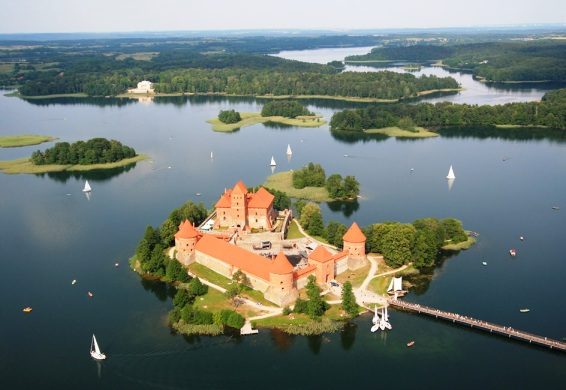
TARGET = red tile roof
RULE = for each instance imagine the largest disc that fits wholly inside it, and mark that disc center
(242, 259)
(241, 187)
(320, 254)
(186, 230)
(261, 199)
(354, 234)
(306, 270)
(225, 200)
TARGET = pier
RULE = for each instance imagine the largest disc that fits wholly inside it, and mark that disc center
(504, 331)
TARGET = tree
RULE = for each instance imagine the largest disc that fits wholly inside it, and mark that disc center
(425, 249)
(167, 231)
(349, 300)
(196, 288)
(316, 306)
(241, 279)
(351, 187)
(299, 204)
(307, 213)
(316, 225)
(232, 292)
(229, 116)
(397, 244)
(406, 123)
(454, 230)
(311, 175)
(183, 298)
(334, 186)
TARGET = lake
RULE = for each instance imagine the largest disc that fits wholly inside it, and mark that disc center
(51, 234)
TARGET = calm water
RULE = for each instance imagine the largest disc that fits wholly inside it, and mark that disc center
(473, 92)
(48, 238)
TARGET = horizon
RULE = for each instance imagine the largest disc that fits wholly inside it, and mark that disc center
(134, 16)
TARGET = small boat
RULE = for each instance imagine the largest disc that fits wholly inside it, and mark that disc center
(198, 194)
(513, 252)
(521, 238)
(169, 167)
(524, 310)
(451, 175)
(484, 263)
(211, 155)
(87, 187)
(555, 208)
(90, 295)
(289, 151)
(410, 343)
(95, 350)
(116, 264)
(346, 155)
(27, 309)
(272, 163)
(74, 282)
(412, 169)
(374, 328)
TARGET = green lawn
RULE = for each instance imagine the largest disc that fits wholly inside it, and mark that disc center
(294, 231)
(355, 277)
(13, 141)
(283, 181)
(461, 245)
(252, 118)
(400, 133)
(24, 165)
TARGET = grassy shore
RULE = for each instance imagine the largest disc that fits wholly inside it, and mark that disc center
(252, 118)
(14, 141)
(283, 181)
(294, 231)
(400, 133)
(460, 246)
(24, 165)
(300, 324)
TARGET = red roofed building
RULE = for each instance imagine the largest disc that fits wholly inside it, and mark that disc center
(185, 241)
(239, 208)
(355, 245)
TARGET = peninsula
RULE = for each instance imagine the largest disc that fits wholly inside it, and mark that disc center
(253, 118)
(14, 141)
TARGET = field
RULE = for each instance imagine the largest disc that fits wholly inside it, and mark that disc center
(14, 141)
(283, 181)
(24, 165)
(253, 118)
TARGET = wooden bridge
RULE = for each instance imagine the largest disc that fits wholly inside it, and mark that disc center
(506, 331)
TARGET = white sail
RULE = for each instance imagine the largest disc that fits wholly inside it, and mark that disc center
(289, 151)
(211, 155)
(375, 318)
(390, 285)
(398, 283)
(95, 344)
(272, 162)
(385, 314)
(87, 187)
(451, 173)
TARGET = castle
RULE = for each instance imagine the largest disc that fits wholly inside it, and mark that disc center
(277, 278)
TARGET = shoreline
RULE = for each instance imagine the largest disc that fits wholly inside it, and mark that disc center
(25, 166)
(21, 140)
(397, 132)
(253, 118)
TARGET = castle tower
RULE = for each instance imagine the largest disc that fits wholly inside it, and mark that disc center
(355, 246)
(281, 290)
(239, 204)
(322, 259)
(185, 241)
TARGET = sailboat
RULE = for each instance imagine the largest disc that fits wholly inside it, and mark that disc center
(95, 351)
(289, 151)
(375, 318)
(272, 162)
(451, 175)
(211, 155)
(87, 187)
(385, 319)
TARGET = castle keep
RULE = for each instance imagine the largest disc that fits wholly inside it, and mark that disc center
(275, 276)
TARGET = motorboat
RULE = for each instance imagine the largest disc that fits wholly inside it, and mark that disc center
(524, 310)
(410, 343)
(513, 252)
(90, 295)
(27, 309)
(484, 263)
(74, 282)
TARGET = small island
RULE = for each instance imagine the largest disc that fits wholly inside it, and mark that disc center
(311, 183)
(250, 263)
(15, 141)
(286, 112)
(94, 154)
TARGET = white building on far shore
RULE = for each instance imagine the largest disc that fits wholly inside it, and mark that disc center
(143, 87)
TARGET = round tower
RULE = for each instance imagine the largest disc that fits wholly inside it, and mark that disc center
(281, 289)
(355, 246)
(185, 240)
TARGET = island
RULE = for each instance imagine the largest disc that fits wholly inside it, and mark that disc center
(311, 183)
(14, 141)
(285, 112)
(252, 264)
(94, 154)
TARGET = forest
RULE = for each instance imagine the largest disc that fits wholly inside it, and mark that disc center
(534, 60)
(550, 112)
(286, 108)
(93, 151)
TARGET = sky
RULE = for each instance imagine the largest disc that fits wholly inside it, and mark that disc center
(37, 16)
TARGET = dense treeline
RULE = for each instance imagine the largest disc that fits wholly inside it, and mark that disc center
(541, 60)
(286, 108)
(93, 151)
(419, 242)
(377, 85)
(313, 175)
(229, 116)
(550, 112)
